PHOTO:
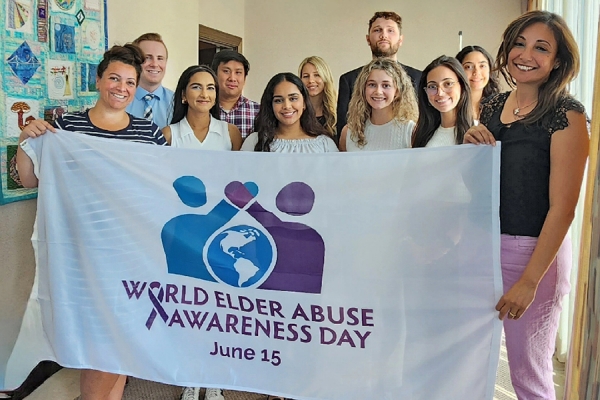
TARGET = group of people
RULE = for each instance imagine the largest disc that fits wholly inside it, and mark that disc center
(385, 105)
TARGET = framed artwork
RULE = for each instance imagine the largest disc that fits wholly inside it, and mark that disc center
(50, 50)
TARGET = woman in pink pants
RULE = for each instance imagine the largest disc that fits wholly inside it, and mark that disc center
(544, 148)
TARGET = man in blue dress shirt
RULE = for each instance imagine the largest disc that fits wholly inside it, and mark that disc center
(152, 100)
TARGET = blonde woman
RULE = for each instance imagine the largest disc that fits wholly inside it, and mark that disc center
(382, 109)
(316, 76)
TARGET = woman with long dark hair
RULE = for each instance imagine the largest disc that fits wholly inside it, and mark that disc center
(544, 150)
(445, 111)
(286, 121)
(195, 123)
(477, 63)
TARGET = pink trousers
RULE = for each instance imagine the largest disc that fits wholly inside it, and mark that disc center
(530, 340)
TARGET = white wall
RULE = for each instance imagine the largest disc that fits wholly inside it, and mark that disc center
(177, 22)
(280, 33)
(226, 16)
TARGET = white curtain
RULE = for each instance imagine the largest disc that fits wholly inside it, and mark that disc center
(582, 18)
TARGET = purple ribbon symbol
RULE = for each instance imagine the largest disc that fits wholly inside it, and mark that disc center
(156, 301)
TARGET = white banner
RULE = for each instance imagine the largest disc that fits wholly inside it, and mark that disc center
(314, 276)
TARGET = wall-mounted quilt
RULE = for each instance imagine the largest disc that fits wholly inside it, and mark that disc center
(50, 50)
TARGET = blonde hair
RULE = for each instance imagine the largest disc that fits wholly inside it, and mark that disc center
(404, 106)
(330, 94)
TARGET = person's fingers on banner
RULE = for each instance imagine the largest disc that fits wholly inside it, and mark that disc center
(479, 134)
(37, 128)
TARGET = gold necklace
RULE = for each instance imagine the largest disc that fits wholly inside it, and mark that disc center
(517, 110)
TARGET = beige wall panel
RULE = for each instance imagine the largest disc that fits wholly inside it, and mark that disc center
(280, 33)
(177, 22)
(17, 267)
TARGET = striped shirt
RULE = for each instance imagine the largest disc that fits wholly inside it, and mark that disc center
(241, 115)
(139, 130)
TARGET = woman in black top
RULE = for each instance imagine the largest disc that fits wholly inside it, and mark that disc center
(544, 149)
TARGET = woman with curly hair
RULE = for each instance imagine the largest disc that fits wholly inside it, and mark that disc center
(286, 121)
(382, 109)
(317, 78)
(477, 63)
(445, 111)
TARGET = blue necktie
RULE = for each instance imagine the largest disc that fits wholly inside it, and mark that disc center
(148, 110)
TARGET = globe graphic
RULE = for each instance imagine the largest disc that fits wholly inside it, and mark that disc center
(240, 256)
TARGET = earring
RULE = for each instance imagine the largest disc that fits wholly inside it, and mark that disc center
(183, 101)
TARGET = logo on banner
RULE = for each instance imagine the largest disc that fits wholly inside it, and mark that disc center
(241, 244)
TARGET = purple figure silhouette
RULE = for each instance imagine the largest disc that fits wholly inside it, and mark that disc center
(300, 249)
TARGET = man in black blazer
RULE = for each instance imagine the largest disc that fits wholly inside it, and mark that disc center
(385, 39)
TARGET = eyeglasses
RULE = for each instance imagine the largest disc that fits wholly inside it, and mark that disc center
(433, 88)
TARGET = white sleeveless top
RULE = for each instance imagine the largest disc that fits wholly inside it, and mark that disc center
(217, 137)
(442, 137)
(393, 135)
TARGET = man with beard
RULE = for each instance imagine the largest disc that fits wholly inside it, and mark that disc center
(385, 39)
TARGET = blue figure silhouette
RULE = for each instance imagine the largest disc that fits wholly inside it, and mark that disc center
(185, 236)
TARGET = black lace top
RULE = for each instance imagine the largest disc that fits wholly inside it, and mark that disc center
(525, 164)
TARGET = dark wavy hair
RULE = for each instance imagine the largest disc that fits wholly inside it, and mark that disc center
(129, 54)
(493, 85)
(430, 118)
(266, 123)
(180, 108)
(566, 67)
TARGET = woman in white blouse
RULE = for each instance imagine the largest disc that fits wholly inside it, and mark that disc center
(195, 123)
(286, 122)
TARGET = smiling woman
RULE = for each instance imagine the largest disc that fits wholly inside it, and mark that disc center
(543, 131)
(445, 110)
(196, 120)
(477, 63)
(118, 75)
(286, 121)
(317, 78)
(382, 109)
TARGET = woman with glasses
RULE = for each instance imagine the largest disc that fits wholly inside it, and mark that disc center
(445, 110)
(544, 151)
(477, 63)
